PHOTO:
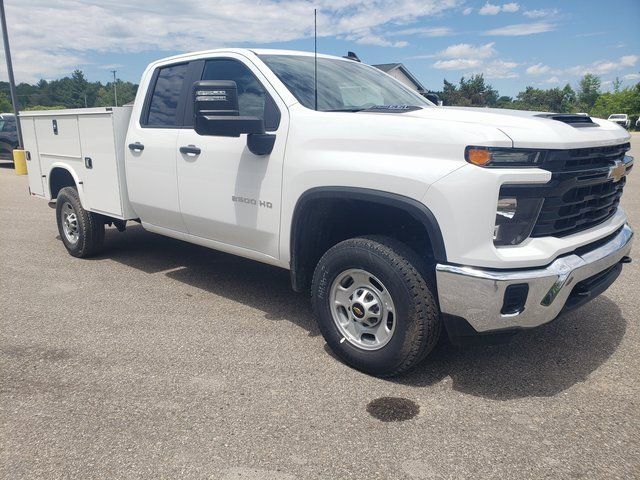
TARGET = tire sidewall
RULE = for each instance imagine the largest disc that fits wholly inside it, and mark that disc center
(69, 195)
(393, 354)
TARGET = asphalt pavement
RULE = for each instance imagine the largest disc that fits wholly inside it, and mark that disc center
(160, 359)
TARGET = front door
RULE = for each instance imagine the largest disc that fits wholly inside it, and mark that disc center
(227, 193)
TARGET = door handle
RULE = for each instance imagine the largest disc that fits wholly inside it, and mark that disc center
(136, 146)
(190, 149)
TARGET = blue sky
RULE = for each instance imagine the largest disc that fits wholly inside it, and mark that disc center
(513, 43)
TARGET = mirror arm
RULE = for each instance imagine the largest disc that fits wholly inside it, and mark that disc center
(261, 143)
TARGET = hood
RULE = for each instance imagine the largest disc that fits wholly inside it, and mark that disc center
(528, 129)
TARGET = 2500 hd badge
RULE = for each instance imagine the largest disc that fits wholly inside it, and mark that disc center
(252, 201)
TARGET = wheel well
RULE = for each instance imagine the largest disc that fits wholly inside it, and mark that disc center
(325, 218)
(58, 179)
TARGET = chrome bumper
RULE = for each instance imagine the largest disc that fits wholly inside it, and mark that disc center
(477, 295)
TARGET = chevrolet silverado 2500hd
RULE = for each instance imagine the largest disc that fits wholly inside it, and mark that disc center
(403, 219)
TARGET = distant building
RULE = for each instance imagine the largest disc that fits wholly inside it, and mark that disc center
(400, 72)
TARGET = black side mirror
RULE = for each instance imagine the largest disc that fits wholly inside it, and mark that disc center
(216, 113)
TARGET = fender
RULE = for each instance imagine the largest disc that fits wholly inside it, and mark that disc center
(416, 209)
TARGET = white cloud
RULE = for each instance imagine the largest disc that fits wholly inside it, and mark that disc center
(424, 32)
(457, 64)
(466, 50)
(538, 69)
(53, 38)
(521, 29)
(475, 58)
(605, 66)
(631, 76)
(500, 69)
(553, 80)
(491, 9)
(467, 11)
(369, 38)
(541, 13)
(510, 7)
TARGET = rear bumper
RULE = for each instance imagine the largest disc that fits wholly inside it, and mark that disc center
(537, 295)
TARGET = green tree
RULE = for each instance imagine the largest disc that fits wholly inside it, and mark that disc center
(472, 92)
(5, 103)
(588, 91)
(626, 101)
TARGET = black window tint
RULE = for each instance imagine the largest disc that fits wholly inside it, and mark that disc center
(9, 126)
(252, 96)
(164, 102)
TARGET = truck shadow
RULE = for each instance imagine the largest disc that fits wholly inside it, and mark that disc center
(260, 286)
(541, 362)
(536, 363)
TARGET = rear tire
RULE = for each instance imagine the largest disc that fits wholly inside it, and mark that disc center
(362, 282)
(82, 232)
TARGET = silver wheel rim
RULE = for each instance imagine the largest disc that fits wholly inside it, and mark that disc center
(362, 309)
(70, 223)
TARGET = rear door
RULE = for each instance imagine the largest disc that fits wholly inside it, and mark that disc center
(150, 150)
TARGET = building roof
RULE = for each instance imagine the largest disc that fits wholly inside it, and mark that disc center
(388, 67)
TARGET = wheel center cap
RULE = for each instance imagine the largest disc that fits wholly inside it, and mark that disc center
(358, 310)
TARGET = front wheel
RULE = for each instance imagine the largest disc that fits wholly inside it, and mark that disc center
(82, 232)
(374, 308)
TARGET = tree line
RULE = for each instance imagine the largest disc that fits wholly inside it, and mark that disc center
(73, 91)
(586, 98)
(76, 91)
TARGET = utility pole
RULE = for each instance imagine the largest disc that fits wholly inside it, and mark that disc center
(12, 81)
(115, 89)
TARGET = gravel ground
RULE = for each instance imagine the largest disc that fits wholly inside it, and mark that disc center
(163, 359)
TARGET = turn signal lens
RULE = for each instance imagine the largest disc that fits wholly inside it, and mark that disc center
(503, 157)
(478, 156)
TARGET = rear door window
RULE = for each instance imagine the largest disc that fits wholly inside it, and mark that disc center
(163, 107)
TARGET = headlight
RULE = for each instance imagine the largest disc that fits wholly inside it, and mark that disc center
(515, 218)
(503, 157)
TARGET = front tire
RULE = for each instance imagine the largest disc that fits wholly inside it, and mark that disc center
(82, 232)
(374, 308)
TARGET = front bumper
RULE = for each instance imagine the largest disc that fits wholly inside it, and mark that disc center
(478, 295)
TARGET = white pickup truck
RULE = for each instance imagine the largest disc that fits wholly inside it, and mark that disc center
(403, 219)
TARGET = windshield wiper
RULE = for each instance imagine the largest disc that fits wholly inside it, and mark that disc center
(345, 110)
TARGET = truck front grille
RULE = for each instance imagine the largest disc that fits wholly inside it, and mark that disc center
(579, 208)
(581, 194)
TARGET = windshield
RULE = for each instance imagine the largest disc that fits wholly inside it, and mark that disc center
(617, 116)
(343, 85)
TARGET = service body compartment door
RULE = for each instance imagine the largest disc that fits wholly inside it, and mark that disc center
(33, 156)
(58, 144)
(99, 169)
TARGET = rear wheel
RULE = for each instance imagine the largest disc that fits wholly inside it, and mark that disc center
(82, 232)
(374, 308)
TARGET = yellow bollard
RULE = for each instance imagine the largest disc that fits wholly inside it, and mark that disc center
(20, 162)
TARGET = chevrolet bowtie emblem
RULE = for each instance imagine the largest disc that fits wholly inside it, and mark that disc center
(617, 171)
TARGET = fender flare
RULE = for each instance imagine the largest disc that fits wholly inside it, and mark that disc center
(74, 175)
(416, 209)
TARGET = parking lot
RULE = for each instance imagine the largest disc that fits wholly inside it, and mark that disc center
(162, 359)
